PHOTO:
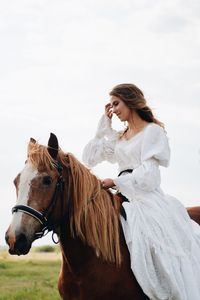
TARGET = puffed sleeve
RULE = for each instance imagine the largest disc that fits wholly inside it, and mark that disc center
(102, 146)
(155, 152)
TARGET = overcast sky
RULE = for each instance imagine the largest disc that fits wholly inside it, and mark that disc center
(60, 58)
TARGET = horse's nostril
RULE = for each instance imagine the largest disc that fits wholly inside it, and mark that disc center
(21, 242)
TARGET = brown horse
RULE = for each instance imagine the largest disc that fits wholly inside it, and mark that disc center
(56, 192)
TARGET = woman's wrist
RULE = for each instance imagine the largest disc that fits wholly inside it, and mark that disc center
(103, 127)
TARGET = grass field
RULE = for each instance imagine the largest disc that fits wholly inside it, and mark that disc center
(30, 277)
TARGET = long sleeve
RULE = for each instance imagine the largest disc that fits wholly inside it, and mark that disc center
(102, 146)
(146, 177)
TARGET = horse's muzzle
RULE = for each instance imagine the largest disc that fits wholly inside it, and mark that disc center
(19, 245)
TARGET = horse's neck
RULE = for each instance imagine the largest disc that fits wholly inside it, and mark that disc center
(74, 249)
(75, 253)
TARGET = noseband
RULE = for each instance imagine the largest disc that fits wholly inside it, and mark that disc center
(43, 217)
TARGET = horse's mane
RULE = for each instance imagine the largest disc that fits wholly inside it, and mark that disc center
(94, 215)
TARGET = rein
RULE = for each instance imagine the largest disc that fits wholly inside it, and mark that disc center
(43, 217)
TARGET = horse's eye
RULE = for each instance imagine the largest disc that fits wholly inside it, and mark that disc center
(46, 180)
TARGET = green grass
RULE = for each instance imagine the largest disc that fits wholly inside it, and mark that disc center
(46, 248)
(29, 279)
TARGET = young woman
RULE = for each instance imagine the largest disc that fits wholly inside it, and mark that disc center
(164, 248)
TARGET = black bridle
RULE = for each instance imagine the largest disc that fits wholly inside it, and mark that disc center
(44, 217)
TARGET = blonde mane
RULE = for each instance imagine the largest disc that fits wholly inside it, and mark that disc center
(94, 216)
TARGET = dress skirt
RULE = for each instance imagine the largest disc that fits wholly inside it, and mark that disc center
(164, 246)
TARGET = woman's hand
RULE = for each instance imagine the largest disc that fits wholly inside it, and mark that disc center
(107, 183)
(108, 110)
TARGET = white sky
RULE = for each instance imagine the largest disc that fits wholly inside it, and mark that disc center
(60, 58)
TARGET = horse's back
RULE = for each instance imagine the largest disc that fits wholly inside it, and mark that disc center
(194, 213)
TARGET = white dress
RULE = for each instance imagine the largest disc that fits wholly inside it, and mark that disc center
(163, 242)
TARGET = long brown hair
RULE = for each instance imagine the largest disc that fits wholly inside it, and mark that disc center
(133, 97)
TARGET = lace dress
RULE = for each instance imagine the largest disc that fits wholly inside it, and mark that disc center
(163, 242)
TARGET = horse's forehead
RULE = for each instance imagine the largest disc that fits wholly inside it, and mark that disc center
(28, 173)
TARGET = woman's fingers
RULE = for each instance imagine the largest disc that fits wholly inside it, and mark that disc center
(107, 183)
(108, 110)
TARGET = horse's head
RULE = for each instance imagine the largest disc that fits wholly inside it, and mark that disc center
(83, 209)
(38, 188)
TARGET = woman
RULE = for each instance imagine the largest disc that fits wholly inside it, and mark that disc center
(163, 246)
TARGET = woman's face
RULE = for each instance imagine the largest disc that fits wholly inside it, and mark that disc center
(120, 108)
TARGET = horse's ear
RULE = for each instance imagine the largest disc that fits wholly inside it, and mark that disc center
(32, 140)
(53, 146)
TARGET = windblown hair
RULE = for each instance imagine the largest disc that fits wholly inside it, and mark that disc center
(39, 156)
(94, 216)
(133, 97)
